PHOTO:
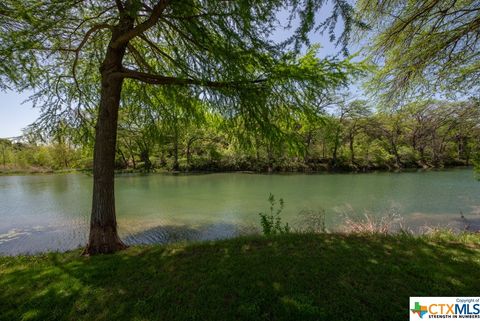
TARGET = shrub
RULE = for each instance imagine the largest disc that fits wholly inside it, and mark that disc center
(272, 222)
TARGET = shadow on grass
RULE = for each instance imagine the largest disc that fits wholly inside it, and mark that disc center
(289, 277)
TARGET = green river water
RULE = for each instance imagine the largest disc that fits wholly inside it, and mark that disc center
(51, 212)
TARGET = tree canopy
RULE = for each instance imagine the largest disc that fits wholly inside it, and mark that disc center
(56, 47)
(425, 46)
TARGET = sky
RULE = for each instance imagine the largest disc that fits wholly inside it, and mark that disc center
(16, 113)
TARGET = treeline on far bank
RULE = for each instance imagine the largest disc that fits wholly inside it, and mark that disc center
(351, 136)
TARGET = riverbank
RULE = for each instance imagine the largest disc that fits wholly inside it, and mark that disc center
(313, 166)
(207, 170)
(37, 171)
(287, 277)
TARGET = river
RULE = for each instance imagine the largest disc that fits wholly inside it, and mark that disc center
(51, 212)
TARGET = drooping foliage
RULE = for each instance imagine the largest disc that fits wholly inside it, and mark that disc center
(425, 46)
(221, 49)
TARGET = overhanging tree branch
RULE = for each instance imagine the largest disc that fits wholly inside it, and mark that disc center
(165, 80)
(200, 15)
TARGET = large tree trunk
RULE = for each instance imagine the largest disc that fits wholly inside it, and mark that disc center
(103, 236)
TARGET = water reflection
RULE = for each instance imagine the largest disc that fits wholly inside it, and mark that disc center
(43, 238)
(176, 233)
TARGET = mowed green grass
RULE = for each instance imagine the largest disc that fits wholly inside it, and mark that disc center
(286, 277)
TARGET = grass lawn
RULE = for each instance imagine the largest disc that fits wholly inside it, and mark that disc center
(286, 277)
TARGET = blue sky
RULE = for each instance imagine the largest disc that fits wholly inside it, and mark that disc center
(14, 115)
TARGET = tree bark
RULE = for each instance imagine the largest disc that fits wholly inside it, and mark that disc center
(103, 236)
